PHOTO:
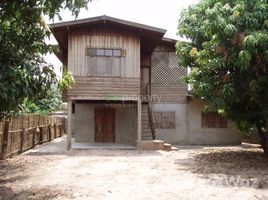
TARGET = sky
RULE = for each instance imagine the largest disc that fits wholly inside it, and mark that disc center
(158, 13)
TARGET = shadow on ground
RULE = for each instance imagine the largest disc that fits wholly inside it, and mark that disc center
(7, 193)
(229, 166)
(10, 169)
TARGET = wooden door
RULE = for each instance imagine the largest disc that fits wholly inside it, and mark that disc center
(104, 125)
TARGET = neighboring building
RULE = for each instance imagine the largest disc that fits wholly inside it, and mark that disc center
(128, 87)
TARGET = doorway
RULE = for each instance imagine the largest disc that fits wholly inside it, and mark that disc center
(105, 125)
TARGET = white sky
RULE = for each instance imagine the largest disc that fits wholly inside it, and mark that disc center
(159, 13)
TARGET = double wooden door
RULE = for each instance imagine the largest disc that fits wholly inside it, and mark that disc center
(104, 125)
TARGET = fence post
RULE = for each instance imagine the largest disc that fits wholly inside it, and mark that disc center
(41, 135)
(5, 140)
(60, 129)
(22, 140)
(49, 132)
(55, 130)
(34, 133)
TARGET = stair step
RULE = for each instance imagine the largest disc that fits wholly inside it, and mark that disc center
(167, 147)
(146, 125)
(159, 144)
(146, 130)
(146, 133)
(151, 144)
(147, 136)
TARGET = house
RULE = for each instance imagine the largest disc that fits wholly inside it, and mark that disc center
(128, 87)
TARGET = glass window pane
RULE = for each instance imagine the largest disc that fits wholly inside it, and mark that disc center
(117, 52)
(91, 51)
(100, 52)
(108, 52)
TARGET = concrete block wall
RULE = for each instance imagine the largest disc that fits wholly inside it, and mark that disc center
(188, 127)
(199, 135)
(179, 134)
(125, 123)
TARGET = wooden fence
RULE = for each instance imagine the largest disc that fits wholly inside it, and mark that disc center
(26, 131)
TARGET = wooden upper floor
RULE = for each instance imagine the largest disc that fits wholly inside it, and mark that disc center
(112, 58)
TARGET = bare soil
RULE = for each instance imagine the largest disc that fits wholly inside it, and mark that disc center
(192, 172)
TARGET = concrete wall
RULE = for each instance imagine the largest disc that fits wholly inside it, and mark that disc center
(199, 135)
(188, 128)
(84, 123)
(125, 123)
(179, 134)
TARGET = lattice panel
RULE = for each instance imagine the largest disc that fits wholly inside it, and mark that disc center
(165, 69)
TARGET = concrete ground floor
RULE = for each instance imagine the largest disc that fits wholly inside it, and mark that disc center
(175, 123)
(105, 123)
(186, 127)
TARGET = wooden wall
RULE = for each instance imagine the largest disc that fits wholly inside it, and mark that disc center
(166, 74)
(103, 37)
(126, 82)
(104, 87)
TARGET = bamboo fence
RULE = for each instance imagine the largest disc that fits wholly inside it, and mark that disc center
(24, 132)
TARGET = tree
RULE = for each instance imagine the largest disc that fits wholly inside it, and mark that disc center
(227, 51)
(46, 105)
(23, 71)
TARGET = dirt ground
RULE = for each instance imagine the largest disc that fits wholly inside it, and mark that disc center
(192, 172)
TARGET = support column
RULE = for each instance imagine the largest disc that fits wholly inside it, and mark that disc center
(139, 120)
(69, 123)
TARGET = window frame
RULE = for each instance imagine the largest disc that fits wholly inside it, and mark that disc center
(93, 52)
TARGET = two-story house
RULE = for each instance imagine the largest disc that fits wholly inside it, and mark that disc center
(128, 87)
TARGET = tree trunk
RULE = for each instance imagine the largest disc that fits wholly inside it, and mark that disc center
(263, 139)
(5, 140)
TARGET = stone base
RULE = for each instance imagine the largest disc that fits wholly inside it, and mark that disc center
(151, 144)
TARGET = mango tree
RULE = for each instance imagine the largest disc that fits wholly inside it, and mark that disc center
(226, 48)
(23, 71)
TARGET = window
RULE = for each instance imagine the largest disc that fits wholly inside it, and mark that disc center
(213, 120)
(100, 52)
(91, 52)
(117, 53)
(108, 52)
(164, 120)
(104, 62)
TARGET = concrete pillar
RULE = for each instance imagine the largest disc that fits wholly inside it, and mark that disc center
(139, 120)
(69, 128)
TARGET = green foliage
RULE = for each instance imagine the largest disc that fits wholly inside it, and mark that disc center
(228, 56)
(23, 70)
(51, 103)
(66, 81)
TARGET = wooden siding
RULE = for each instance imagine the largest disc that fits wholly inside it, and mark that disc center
(166, 75)
(107, 87)
(170, 94)
(79, 63)
(166, 47)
